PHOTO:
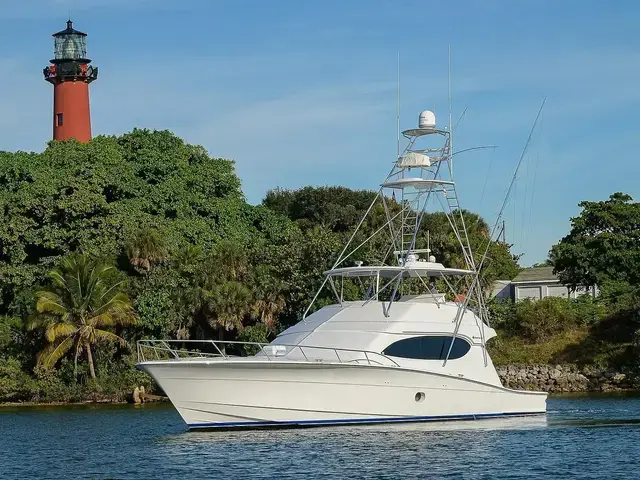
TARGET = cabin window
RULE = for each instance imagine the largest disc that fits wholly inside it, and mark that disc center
(59, 119)
(433, 347)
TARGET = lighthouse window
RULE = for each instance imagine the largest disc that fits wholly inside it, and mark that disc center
(59, 120)
(428, 348)
(70, 46)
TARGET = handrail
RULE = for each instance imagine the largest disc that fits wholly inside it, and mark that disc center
(156, 347)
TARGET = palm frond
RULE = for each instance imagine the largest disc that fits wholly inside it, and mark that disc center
(109, 290)
(53, 352)
(50, 302)
(38, 321)
(58, 278)
(113, 317)
(78, 285)
(96, 285)
(109, 337)
(55, 330)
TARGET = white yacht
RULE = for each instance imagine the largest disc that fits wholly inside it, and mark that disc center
(411, 349)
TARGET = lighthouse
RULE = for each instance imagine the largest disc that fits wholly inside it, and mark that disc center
(70, 73)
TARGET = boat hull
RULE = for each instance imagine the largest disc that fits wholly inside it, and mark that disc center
(250, 394)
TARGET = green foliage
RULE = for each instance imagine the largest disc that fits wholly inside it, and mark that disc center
(15, 383)
(509, 350)
(9, 331)
(165, 303)
(337, 208)
(583, 331)
(609, 343)
(146, 249)
(328, 218)
(621, 296)
(97, 197)
(603, 245)
(79, 308)
(502, 314)
(258, 333)
(603, 249)
(499, 262)
(539, 320)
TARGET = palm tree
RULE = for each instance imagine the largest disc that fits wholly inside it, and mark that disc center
(224, 299)
(187, 257)
(225, 306)
(268, 300)
(145, 249)
(78, 309)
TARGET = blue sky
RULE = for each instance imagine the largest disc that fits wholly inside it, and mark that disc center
(304, 92)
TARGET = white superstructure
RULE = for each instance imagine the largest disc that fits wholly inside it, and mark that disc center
(405, 351)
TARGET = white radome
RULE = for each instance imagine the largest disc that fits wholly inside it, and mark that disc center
(427, 120)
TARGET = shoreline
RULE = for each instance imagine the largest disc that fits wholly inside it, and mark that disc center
(554, 379)
(80, 404)
(567, 378)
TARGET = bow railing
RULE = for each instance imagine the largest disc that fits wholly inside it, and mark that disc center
(185, 350)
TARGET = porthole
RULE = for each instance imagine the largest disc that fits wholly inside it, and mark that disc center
(420, 397)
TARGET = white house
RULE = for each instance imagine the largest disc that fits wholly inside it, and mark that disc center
(536, 283)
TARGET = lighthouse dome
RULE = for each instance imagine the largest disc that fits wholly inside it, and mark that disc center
(70, 45)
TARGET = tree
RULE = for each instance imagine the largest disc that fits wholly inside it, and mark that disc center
(268, 296)
(603, 245)
(78, 310)
(146, 249)
(96, 197)
(329, 215)
(336, 208)
(225, 297)
(226, 305)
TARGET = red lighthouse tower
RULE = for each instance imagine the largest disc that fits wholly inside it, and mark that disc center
(71, 74)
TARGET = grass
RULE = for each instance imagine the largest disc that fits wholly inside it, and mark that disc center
(580, 346)
(506, 350)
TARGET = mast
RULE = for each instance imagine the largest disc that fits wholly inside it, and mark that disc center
(450, 119)
(398, 111)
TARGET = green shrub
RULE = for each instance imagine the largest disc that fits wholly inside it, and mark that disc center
(538, 320)
(589, 310)
(15, 384)
(502, 314)
(254, 333)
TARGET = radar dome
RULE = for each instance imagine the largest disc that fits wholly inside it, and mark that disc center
(427, 119)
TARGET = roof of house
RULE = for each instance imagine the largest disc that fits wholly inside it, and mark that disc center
(536, 274)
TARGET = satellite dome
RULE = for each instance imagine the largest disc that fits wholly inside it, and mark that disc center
(427, 119)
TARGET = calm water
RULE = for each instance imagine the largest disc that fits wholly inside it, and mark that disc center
(581, 437)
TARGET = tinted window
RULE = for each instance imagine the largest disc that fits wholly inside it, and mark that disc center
(428, 348)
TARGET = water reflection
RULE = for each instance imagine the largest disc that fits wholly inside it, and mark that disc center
(269, 434)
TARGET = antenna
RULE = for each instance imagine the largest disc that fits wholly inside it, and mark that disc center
(513, 181)
(450, 121)
(476, 281)
(398, 112)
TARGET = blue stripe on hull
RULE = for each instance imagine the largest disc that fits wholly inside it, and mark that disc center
(347, 421)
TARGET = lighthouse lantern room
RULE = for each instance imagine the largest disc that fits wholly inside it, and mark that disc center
(70, 73)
